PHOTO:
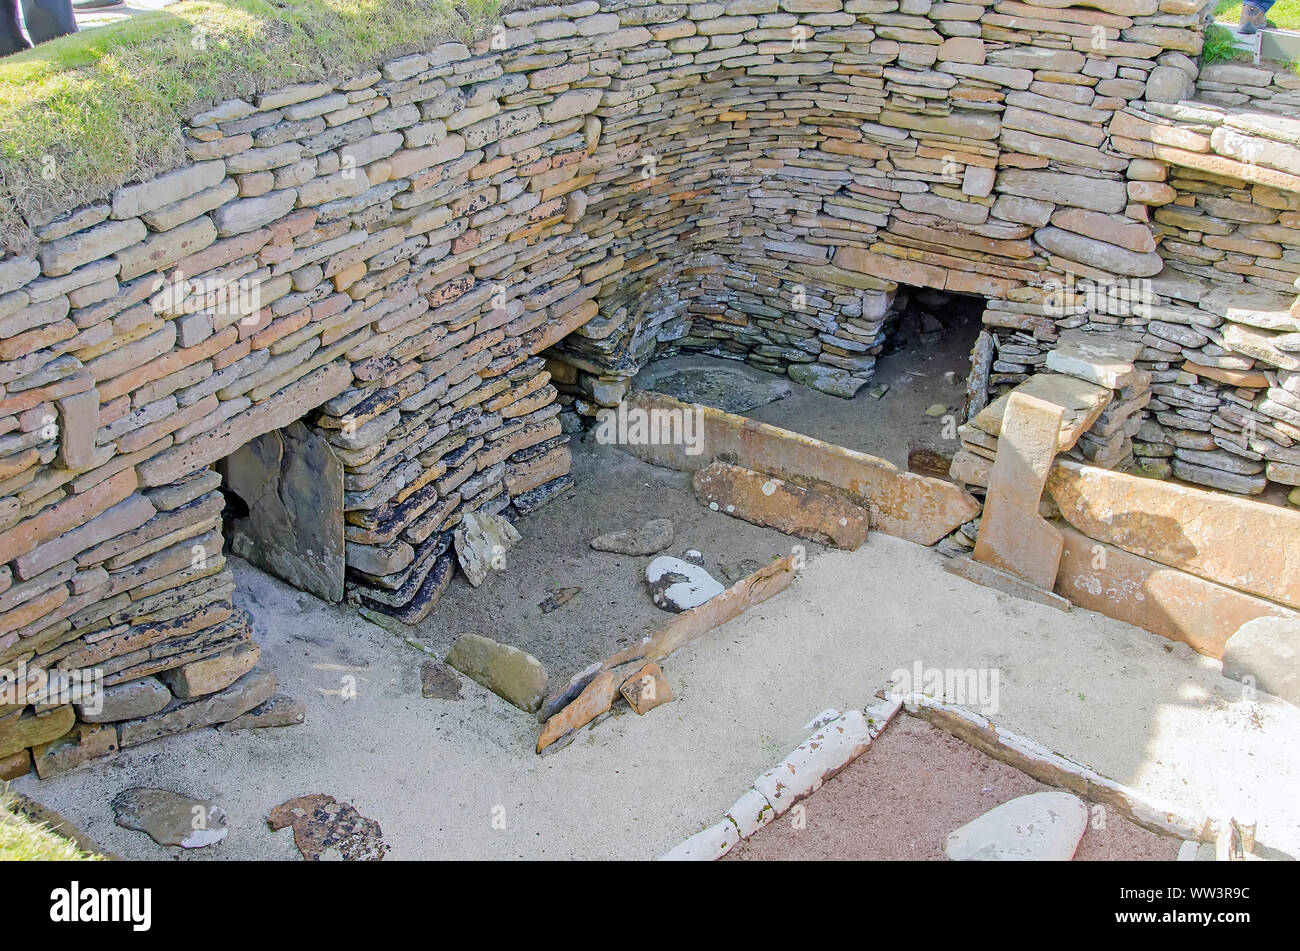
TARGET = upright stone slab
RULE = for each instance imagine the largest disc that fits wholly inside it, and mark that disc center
(1162, 600)
(1013, 536)
(292, 482)
(1233, 541)
(1266, 650)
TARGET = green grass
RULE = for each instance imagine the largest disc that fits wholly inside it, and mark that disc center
(1285, 14)
(22, 840)
(85, 113)
(1220, 46)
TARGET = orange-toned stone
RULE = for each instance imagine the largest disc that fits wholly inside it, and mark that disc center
(768, 581)
(201, 677)
(76, 510)
(594, 700)
(646, 689)
(1223, 538)
(1162, 600)
(1013, 536)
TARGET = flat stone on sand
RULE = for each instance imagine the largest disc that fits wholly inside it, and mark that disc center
(169, 817)
(1040, 827)
(649, 538)
(677, 585)
(513, 675)
(1267, 649)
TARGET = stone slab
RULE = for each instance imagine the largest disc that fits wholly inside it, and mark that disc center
(513, 675)
(1083, 402)
(1040, 827)
(1104, 359)
(243, 695)
(1267, 651)
(292, 483)
(990, 577)
(1223, 538)
(916, 508)
(646, 689)
(1160, 599)
(819, 513)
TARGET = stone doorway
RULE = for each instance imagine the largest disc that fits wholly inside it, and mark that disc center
(284, 508)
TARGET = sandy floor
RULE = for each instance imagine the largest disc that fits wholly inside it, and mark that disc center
(914, 786)
(611, 491)
(437, 773)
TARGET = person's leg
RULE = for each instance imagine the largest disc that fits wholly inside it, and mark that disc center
(1254, 15)
(11, 34)
(46, 19)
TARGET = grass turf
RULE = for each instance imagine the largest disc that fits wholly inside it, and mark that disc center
(85, 113)
(22, 840)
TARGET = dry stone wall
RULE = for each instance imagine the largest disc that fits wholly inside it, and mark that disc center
(1221, 332)
(428, 262)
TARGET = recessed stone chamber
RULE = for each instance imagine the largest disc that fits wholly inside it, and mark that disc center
(457, 259)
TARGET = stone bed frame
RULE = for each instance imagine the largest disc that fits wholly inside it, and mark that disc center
(836, 743)
(455, 248)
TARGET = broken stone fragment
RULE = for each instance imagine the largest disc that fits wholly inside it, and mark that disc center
(596, 697)
(1040, 827)
(558, 599)
(561, 697)
(324, 828)
(818, 512)
(677, 585)
(437, 681)
(646, 689)
(481, 542)
(1267, 651)
(280, 710)
(170, 818)
(513, 675)
(649, 538)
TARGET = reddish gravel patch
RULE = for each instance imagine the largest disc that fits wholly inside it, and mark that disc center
(914, 786)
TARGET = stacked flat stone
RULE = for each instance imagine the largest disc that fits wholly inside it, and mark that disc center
(453, 246)
(1094, 378)
(1269, 87)
(1224, 412)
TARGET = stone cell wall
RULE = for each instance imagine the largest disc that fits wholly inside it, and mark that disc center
(1222, 335)
(447, 249)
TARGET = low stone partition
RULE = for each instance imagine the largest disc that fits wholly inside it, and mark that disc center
(424, 263)
(1065, 530)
